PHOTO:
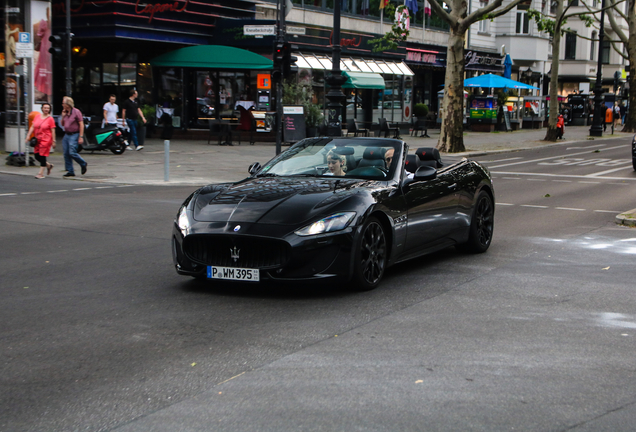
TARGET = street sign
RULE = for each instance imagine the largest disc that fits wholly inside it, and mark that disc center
(24, 50)
(13, 10)
(259, 30)
(296, 30)
(24, 37)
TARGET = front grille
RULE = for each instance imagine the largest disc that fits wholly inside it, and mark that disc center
(253, 252)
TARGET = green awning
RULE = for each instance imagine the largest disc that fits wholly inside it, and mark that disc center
(362, 80)
(212, 57)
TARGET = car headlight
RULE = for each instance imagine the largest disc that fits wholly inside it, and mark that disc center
(182, 221)
(335, 222)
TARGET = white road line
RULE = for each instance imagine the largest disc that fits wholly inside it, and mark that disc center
(536, 180)
(511, 178)
(612, 170)
(501, 160)
(560, 175)
(8, 194)
(554, 157)
(534, 206)
(620, 184)
(104, 187)
(608, 211)
(56, 191)
(589, 182)
(78, 189)
(592, 146)
(562, 181)
(569, 208)
(29, 193)
(505, 204)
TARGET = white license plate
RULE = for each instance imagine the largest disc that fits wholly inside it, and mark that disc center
(233, 273)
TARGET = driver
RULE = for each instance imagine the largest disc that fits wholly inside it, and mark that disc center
(337, 164)
(388, 157)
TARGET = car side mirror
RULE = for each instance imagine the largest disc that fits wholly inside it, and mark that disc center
(425, 173)
(254, 168)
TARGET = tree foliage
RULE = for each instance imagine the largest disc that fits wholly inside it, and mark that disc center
(391, 39)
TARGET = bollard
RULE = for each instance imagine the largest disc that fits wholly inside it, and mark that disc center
(166, 160)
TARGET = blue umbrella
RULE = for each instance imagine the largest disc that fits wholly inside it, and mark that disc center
(496, 81)
(412, 5)
(507, 67)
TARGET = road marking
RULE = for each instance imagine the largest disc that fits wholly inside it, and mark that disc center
(501, 160)
(537, 180)
(534, 206)
(560, 175)
(569, 208)
(592, 146)
(562, 181)
(504, 204)
(56, 191)
(608, 211)
(611, 171)
(8, 194)
(620, 184)
(589, 182)
(511, 178)
(104, 187)
(555, 157)
(29, 193)
(126, 186)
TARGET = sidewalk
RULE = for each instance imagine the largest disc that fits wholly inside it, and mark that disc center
(197, 163)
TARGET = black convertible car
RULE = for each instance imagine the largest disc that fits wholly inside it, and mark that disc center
(334, 208)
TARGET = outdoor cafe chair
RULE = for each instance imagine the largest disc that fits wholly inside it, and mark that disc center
(352, 127)
(386, 128)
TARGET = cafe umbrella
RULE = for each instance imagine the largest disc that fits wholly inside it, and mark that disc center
(496, 81)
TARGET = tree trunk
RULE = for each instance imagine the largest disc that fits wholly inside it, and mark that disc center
(551, 132)
(630, 118)
(451, 139)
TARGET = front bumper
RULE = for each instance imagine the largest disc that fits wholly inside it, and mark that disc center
(319, 257)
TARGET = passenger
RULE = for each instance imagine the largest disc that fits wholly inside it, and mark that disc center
(388, 157)
(337, 164)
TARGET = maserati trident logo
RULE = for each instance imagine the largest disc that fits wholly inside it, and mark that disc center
(234, 253)
(236, 228)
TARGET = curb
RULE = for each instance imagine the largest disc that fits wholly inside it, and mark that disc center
(627, 219)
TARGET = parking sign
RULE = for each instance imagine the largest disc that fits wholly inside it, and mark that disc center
(24, 37)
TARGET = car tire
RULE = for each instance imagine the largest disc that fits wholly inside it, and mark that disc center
(371, 254)
(481, 225)
(634, 163)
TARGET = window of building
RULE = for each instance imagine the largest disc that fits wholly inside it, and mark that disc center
(484, 25)
(570, 46)
(523, 22)
(593, 45)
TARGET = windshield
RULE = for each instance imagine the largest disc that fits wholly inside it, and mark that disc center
(364, 158)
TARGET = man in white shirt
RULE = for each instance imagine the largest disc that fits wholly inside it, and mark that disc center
(110, 111)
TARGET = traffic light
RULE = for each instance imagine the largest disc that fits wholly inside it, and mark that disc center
(57, 48)
(289, 60)
(278, 55)
(617, 76)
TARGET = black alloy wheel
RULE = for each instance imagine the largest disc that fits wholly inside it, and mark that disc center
(371, 255)
(481, 225)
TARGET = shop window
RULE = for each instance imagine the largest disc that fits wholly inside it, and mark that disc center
(170, 90)
(145, 84)
(110, 74)
(95, 81)
(570, 46)
(484, 25)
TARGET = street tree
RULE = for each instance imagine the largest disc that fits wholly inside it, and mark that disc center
(451, 136)
(629, 41)
(554, 25)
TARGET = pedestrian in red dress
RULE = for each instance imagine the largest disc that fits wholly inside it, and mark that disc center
(43, 129)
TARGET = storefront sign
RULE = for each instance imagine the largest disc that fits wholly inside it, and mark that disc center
(472, 58)
(420, 57)
(152, 9)
(296, 30)
(263, 82)
(346, 42)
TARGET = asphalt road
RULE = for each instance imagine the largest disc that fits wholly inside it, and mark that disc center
(97, 332)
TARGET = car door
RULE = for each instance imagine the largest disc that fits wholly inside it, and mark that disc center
(432, 207)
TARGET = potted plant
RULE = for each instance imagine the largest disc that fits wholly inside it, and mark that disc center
(313, 119)
(420, 111)
(146, 130)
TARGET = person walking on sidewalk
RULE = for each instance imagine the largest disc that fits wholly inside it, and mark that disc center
(43, 129)
(73, 125)
(130, 113)
(110, 112)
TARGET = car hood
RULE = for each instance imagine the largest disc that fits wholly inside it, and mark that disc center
(287, 201)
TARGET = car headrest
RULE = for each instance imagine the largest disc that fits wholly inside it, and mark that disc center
(429, 154)
(374, 153)
(411, 163)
